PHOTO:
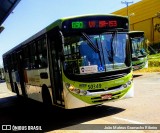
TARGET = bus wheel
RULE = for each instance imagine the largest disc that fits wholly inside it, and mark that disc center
(16, 89)
(46, 95)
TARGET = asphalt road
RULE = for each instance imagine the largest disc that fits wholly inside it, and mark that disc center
(143, 108)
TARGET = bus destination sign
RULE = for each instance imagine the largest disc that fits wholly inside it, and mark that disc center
(92, 22)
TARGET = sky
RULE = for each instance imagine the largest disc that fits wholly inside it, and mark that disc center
(31, 16)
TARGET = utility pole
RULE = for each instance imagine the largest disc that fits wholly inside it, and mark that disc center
(127, 3)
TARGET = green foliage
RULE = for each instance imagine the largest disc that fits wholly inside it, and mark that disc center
(154, 63)
(154, 60)
(150, 69)
(155, 56)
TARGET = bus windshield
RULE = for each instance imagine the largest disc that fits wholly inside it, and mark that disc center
(86, 54)
(138, 47)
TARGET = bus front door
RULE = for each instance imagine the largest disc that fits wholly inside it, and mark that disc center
(55, 73)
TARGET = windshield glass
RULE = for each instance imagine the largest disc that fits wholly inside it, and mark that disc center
(138, 47)
(85, 54)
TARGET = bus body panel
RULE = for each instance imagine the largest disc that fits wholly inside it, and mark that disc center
(121, 87)
(140, 63)
(71, 101)
(130, 93)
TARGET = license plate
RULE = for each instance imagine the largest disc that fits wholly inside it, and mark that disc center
(106, 96)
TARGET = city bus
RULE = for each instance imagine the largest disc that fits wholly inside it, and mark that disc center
(139, 50)
(74, 62)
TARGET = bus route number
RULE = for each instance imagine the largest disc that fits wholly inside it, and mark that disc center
(94, 86)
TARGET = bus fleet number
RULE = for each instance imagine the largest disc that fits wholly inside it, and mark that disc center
(94, 86)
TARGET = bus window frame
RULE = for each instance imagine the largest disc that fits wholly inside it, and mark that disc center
(28, 55)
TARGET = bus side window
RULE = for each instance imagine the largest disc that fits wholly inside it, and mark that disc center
(33, 56)
(42, 53)
(26, 58)
(12, 62)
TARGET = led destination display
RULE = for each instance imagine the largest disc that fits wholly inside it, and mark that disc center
(95, 22)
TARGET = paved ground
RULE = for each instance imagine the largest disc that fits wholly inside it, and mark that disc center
(144, 108)
(4, 92)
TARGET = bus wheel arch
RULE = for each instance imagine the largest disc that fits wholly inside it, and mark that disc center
(46, 97)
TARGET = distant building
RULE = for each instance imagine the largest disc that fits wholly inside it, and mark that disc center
(144, 16)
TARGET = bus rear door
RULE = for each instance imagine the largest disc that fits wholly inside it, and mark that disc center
(21, 72)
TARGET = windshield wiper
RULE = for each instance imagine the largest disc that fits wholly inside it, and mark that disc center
(91, 44)
(112, 52)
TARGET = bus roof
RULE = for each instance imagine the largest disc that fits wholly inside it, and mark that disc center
(57, 23)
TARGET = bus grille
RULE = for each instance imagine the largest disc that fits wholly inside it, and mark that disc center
(99, 90)
(114, 97)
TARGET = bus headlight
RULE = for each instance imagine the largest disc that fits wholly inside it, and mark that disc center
(83, 92)
(72, 89)
(77, 90)
(129, 82)
(125, 86)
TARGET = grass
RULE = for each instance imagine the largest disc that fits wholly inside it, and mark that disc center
(154, 56)
(154, 60)
(149, 69)
(153, 64)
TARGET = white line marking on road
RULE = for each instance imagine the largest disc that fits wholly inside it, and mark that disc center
(127, 120)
